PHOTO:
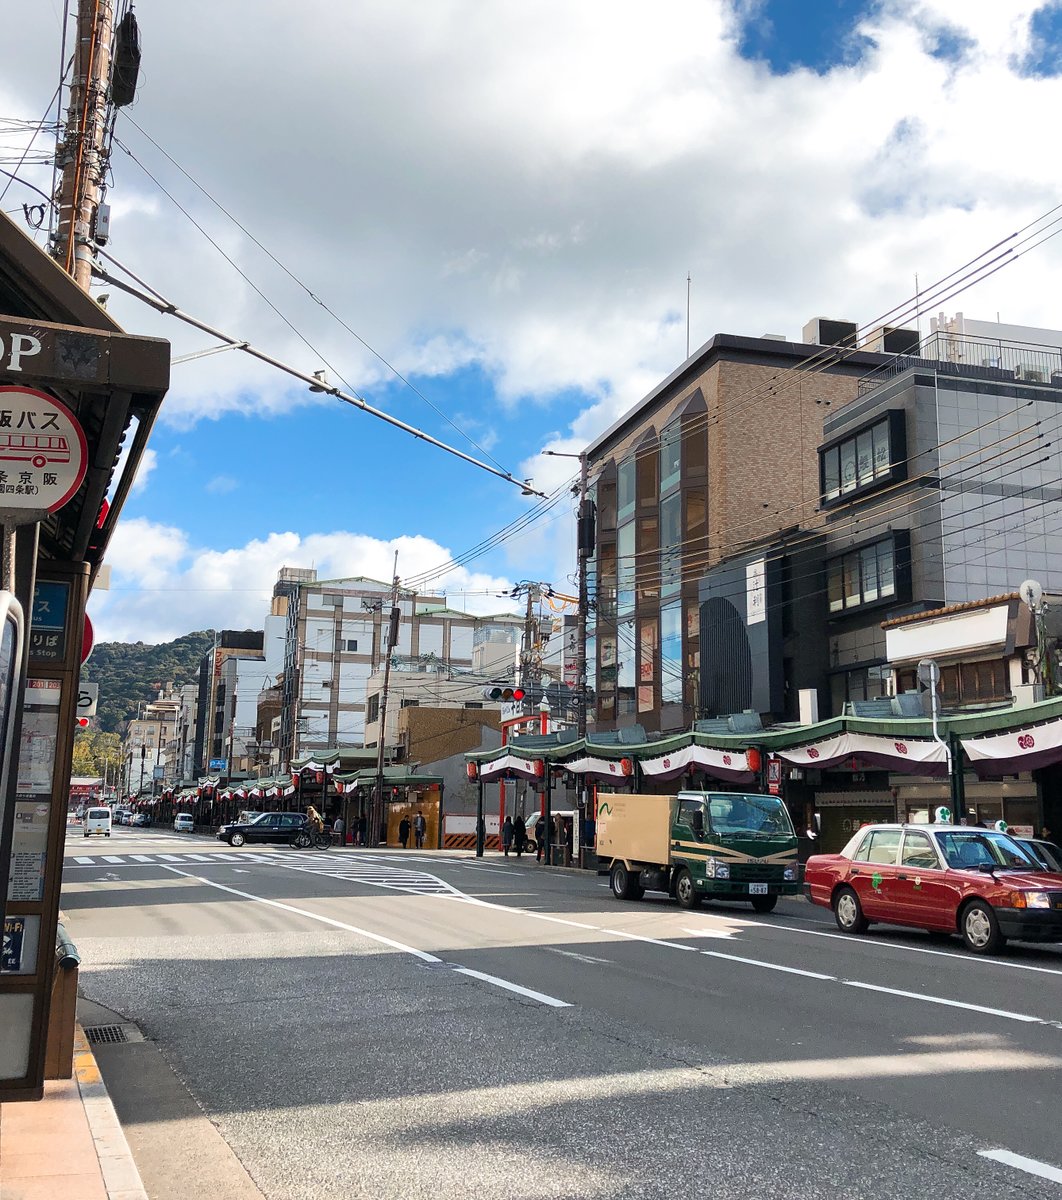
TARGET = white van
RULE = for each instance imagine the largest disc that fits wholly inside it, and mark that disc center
(98, 820)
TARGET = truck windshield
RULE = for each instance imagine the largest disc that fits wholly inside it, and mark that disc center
(750, 816)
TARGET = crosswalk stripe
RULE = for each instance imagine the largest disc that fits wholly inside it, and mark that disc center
(172, 857)
(112, 858)
(141, 857)
(83, 860)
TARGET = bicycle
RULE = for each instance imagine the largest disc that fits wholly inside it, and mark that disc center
(303, 839)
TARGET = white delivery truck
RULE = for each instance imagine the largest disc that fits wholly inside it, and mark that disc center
(97, 820)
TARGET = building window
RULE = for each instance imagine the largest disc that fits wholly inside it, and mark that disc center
(411, 704)
(625, 548)
(473, 704)
(627, 673)
(862, 576)
(372, 709)
(671, 654)
(352, 645)
(864, 460)
(647, 665)
(625, 489)
(671, 544)
(670, 457)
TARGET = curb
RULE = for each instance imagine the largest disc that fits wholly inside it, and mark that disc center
(121, 1179)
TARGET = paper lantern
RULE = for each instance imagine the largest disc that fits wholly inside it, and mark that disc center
(752, 757)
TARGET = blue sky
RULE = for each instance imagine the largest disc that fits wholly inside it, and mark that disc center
(504, 201)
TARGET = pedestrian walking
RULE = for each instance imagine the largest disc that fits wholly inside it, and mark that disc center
(419, 828)
(540, 840)
(519, 834)
(359, 833)
(403, 832)
(337, 831)
(507, 834)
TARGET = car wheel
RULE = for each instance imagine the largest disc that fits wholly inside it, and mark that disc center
(236, 839)
(625, 886)
(980, 928)
(848, 912)
(764, 904)
(685, 891)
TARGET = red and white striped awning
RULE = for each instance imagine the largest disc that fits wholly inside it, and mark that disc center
(1017, 750)
(910, 756)
(731, 765)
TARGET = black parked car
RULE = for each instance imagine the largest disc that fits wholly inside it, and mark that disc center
(266, 827)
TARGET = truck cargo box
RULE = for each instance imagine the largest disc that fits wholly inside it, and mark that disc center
(636, 828)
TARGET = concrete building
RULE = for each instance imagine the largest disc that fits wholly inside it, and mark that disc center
(719, 458)
(214, 715)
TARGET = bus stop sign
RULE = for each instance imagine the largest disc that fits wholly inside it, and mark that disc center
(43, 455)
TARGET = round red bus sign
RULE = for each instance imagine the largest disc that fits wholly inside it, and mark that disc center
(43, 453)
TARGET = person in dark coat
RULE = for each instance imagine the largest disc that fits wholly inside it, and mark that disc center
(519, 834)
(403, 832)
(507, 834)
(540, 840)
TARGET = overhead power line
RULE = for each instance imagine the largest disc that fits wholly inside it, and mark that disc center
(158, 302)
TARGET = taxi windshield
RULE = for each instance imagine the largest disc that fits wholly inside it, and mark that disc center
(984, 848)
(749, 816)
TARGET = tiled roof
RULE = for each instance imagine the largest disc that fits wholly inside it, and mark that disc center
(966, 606)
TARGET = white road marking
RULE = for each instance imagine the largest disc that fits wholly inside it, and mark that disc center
(541, 997)
(142, 857)
(710, 933)
(172, 857)
(755, 962)
(83, 860)
(584, 958)
(961, 958)
(1031, 1165)
(112, 858)
(992, 1012)
(423, 955)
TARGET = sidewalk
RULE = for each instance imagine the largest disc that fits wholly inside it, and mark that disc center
(69, 1144)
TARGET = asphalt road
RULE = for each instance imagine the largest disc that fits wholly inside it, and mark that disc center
(413, 1024)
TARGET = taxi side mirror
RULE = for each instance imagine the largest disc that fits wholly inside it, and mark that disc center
(815, 828)
(698, 821)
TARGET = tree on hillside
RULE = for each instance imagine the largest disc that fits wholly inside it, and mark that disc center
(96, 753)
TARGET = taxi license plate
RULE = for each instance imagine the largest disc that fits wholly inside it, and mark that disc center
(757, 889)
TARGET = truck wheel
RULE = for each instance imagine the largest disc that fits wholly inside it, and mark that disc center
(764, 904)
(685, 893)
(625, 886)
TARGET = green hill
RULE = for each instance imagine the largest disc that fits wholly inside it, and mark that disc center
(129, 672)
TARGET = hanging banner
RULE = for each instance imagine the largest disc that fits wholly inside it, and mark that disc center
(1017, 750)
(894, 754)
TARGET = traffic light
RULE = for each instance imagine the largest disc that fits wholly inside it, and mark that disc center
(82, 722)
(503, 693)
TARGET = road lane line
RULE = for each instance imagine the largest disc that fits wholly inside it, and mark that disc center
(755, 962)
(541, 997)
(584, 958)
(992, 1012)
(1030, 1165)
(958, 957)
(423, 955)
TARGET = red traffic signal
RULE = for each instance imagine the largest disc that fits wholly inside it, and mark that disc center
(504, 693)
(82, 722)
(518, 693)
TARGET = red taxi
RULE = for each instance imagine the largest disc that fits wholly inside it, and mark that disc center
(979, 883)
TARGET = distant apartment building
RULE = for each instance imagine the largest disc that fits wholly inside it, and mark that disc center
(214, 700)
(334, 641)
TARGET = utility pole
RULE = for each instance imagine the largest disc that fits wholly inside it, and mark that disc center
(82, 151)
(586, 534)
(373, 832)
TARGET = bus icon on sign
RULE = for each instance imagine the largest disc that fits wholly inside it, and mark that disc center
(39, 449)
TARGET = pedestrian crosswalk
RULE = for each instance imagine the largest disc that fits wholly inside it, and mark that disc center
(351, 868)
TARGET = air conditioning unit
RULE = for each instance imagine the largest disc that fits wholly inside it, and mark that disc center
(1029, 374)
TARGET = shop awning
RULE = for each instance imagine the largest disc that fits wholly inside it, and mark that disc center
(910, 756)
(1014, 751)
(598, 768)
(731, 765)
(525, 768)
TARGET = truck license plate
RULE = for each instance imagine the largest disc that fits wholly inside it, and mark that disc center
(757, 889)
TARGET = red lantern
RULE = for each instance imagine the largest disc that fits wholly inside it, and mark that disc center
(752, 757)
(540, 768)
(472, 770)
(626, 766)
(294, 779)
(320, 776)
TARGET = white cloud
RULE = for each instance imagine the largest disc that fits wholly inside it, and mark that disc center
(221, 485)
(163, 587)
